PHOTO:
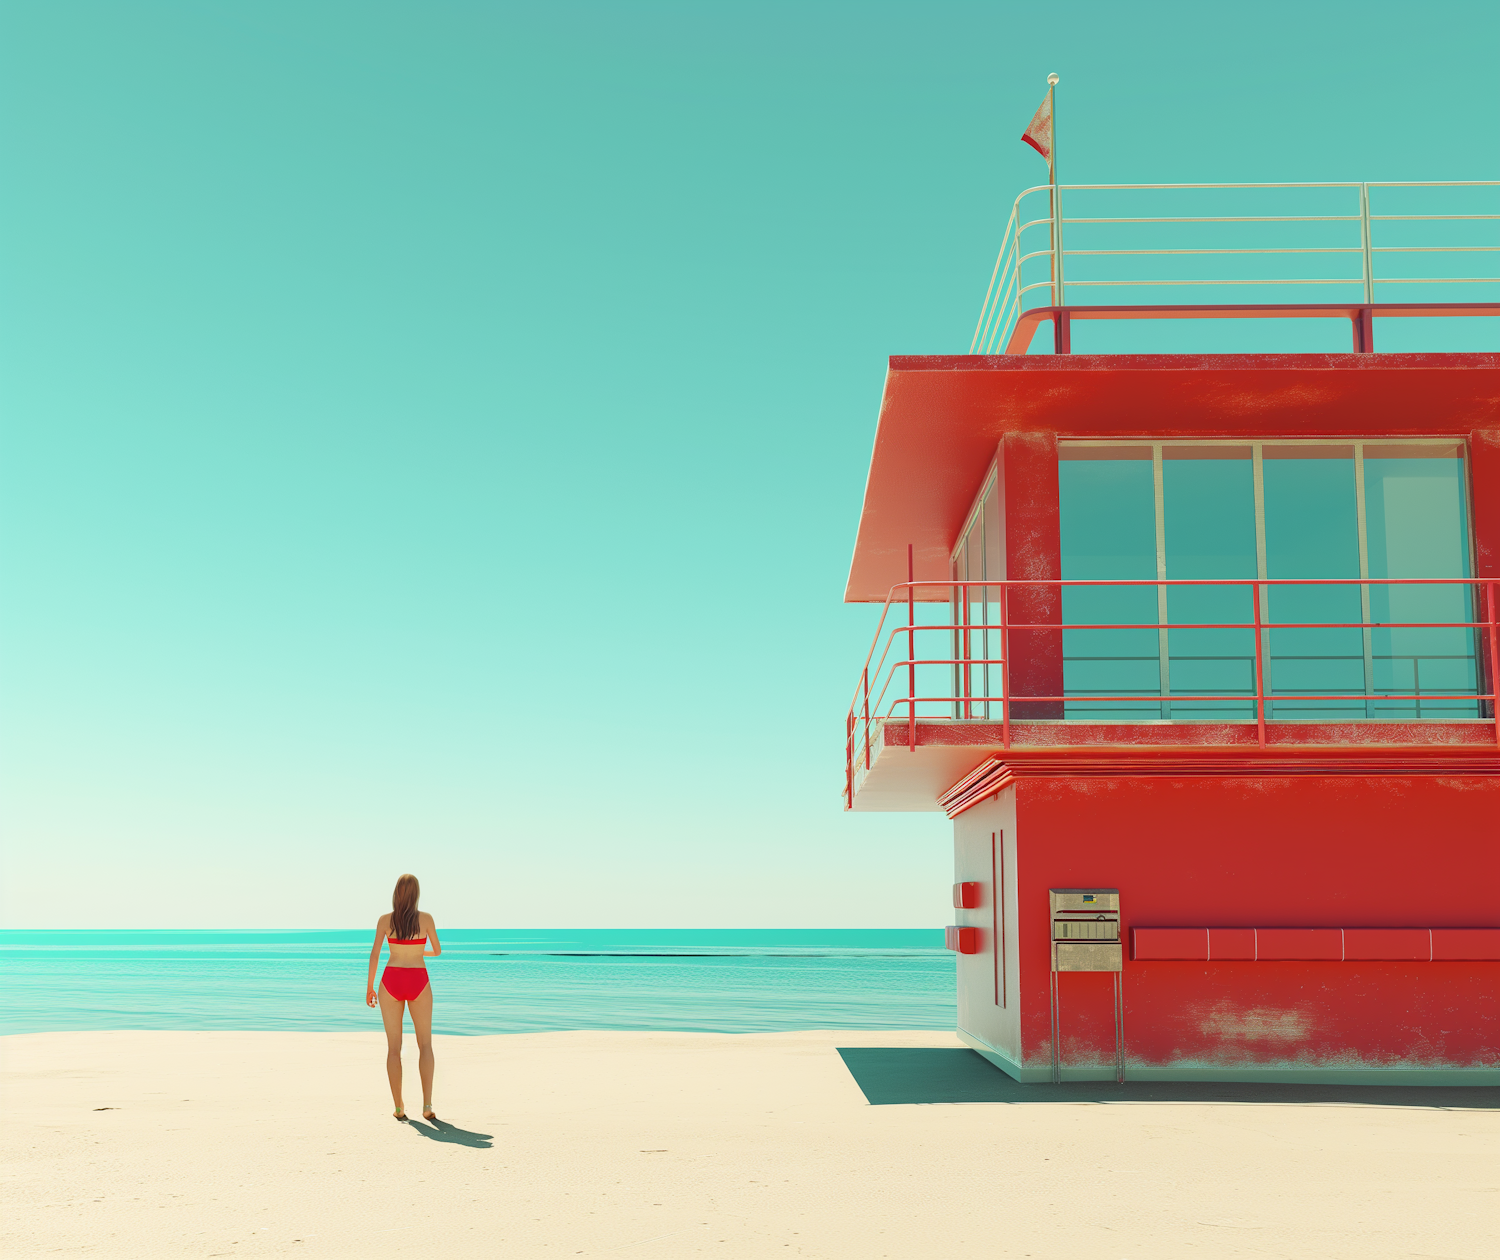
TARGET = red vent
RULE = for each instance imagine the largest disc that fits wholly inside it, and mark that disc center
(962, 940)
(965, 896)
(1467, 944)
(1388, 944)
(1170, 945)
(1299, 945)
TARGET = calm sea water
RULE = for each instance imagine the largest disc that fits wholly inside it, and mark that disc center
(485, 981)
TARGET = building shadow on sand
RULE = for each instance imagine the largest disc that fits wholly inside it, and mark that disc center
(894, 1075)
(442, 1131)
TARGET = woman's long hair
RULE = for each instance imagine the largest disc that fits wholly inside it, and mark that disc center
(404, 922)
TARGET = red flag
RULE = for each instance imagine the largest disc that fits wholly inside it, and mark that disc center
(1039, 134)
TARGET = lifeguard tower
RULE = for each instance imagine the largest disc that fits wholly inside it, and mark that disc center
(1199, 651)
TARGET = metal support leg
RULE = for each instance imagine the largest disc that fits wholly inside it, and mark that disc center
(1119, 1028)
(1055, 1003)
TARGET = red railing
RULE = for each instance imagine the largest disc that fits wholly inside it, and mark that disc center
(875, 703)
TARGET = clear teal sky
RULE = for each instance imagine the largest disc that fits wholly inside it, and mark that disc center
(434, 433)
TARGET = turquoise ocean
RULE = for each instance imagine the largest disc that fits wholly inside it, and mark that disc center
(487, 981)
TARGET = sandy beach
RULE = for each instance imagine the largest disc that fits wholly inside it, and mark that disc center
(124, 1144)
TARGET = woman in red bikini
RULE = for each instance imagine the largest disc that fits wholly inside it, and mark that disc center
(412, 937)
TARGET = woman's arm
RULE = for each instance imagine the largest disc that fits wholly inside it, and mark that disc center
(382, 925)
(434, 946)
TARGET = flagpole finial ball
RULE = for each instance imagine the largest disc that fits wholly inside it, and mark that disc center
(1052, 80)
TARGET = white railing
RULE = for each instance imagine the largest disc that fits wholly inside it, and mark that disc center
(1271, 251)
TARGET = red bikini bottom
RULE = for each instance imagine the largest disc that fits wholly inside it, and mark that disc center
(404, 983)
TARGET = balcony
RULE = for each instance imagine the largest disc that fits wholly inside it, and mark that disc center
(1264, 675)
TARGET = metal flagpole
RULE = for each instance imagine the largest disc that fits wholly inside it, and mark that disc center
(1055, 229)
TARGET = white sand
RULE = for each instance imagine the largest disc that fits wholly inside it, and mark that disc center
(655, 1145)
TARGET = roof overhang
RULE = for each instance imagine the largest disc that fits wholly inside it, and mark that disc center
(943, 417)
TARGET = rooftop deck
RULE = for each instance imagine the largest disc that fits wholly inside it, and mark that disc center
(1355, 251)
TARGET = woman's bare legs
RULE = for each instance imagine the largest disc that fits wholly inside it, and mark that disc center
(390, 1012)
(421, 1022)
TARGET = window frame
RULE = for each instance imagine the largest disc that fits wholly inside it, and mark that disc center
(1158, 445)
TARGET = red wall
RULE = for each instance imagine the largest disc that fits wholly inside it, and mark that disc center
(1033, 549)
(1289, 852)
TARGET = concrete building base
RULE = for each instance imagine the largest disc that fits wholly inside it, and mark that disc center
(1292, 1074)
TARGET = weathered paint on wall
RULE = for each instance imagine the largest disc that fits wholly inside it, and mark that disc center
(1272, 852)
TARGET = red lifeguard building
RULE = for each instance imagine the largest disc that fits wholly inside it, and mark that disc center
(1199, 651)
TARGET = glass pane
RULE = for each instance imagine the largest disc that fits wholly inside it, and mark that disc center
(974, 639)
(1209, 507)
(1416, 524)
(994, 567)
(982, 640)
(959, 572)
(1312, 531)
(1108, 510)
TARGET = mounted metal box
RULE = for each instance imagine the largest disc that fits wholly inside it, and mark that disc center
(1086, 937)
(1086, 929)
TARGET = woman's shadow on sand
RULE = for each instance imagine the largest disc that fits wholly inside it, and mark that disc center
(442, 1131)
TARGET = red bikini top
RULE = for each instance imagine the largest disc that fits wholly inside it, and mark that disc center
(391, 940)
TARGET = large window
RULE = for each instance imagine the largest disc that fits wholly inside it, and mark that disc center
(1286, 509)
